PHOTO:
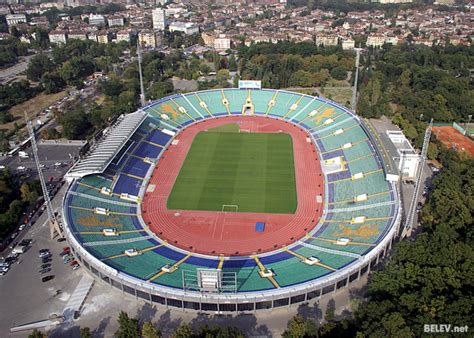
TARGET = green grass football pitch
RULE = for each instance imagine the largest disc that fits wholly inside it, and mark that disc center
(253, 171)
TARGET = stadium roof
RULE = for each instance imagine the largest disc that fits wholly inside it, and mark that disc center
(101, 154)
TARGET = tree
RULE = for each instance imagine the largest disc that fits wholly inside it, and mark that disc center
(160, 89)
(339, 73)
(85, 332)
(76, 70)
(27, 194)
(128, 327)
(75, 124)
(38, 65)
(232, 63)
(222, 75)
(52, 83)
(36, 334)
(150, 331)
(183, 331)
(296, 327)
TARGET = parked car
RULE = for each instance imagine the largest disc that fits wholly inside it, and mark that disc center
(74, 262)
(22, 227)
(47, 278)
(44, 254)
(45, 270)
(75, 267)
(5, 264)
(61, 239)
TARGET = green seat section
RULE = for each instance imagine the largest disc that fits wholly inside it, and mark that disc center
(248, 279)
(236, 98)
(145, 266)
(351, 248)
(192, 110)
(303, 111)
(260, 100)
(91, 185)
(108, 250)
(370, 184)
(283, 102)
(301, 103)
(213, 100)
(168, 108)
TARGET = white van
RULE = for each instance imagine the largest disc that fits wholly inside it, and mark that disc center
(19, 249)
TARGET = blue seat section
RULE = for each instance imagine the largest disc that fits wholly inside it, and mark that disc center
(281, 256)
(136, 166)
(204, 262)
(147, 150)
(120, 159)
(127, 184)
(169, 253)
(157, 136)
(239, 263)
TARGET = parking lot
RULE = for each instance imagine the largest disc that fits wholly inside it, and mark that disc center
(24, 297)
(56, 158)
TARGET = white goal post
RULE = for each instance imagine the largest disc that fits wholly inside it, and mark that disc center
(230, 207)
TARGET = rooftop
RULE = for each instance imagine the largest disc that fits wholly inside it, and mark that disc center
(101, 153)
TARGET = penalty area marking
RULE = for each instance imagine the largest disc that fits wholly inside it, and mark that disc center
(232, 207)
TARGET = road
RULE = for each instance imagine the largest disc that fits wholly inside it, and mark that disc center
(10, 73)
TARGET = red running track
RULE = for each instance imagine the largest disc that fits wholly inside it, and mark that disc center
(233, 233)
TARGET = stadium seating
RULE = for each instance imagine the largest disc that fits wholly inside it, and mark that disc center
(127, 172)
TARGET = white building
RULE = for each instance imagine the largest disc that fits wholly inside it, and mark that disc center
(375, 40)
(14, 19)
(221, 43)
(77, 34)
(149, 38)
(115, 20)
(187, 28)
(123, 35)
(57, 36)
(96, 19)
(159, 18)
(348, 44)
(407, 159)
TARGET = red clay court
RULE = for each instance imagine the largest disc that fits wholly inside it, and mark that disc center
(233, 233)
(454, 139)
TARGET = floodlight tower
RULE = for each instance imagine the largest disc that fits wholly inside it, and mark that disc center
(53, 221)
(142, 89)
(418, 175)
(356, 79)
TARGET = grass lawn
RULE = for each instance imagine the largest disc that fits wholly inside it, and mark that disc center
(252, 170)
(33, 107)
(226, 128)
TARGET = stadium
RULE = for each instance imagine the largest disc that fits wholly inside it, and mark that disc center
(232, 200)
